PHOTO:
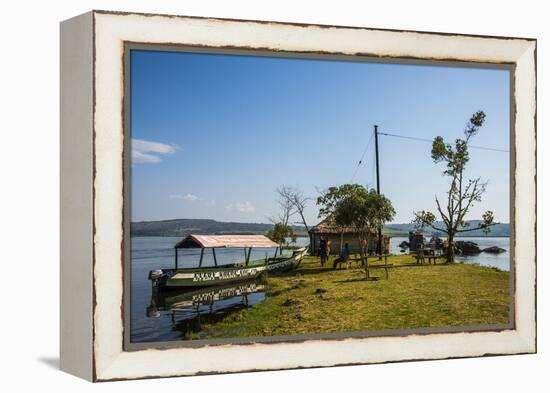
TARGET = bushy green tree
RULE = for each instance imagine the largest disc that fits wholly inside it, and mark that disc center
(352, 205)
(280, 233)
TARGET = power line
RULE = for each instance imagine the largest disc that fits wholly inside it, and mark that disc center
(414, 138)
(361, 159)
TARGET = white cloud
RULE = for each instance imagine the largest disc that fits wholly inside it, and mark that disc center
(149, 152)
(186, 197)
(243, 207)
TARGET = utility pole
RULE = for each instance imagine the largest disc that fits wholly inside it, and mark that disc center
(378, 188)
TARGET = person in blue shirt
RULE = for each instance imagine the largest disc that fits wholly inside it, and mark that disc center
(344, 256)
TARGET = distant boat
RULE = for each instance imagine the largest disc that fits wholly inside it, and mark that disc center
(224, 274)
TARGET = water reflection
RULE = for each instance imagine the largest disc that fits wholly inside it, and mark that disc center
(188, 310)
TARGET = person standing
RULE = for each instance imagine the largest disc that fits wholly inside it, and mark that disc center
(323, 251)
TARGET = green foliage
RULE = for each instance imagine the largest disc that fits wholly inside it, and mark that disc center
(424, 218)
(488, 219)
(363, 209)
(280, 232)
(352, 205)
(457, 157)
(475, 123)
(333, 196)
(462, 193)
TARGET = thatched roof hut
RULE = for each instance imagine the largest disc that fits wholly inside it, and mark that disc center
(339, 235)
(328, 226)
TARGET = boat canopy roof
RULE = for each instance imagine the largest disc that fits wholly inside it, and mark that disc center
(226, 241)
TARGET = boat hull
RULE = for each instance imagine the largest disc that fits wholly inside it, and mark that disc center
(204, 277)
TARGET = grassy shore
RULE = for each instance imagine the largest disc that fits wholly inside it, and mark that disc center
(312, 299)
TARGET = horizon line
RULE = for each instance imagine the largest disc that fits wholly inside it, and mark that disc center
(270, 223)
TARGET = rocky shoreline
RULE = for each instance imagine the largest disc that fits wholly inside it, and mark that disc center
(464, 247)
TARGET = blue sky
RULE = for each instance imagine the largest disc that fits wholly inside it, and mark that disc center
(214, 135)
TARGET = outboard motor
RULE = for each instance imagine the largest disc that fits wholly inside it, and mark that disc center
(152, 311)
(155, 276)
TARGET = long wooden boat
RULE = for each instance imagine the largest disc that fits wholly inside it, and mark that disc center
(223, 274)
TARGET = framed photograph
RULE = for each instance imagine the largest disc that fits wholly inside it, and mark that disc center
(246, 195)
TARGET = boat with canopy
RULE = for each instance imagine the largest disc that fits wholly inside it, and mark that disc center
(247, 269)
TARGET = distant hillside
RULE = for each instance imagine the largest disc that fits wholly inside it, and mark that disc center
(498, 230)
(185, 226)
(394, 232)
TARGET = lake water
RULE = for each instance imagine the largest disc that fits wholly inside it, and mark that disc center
(178, 315)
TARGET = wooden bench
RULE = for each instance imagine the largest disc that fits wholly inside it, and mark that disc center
(383, 256)
(427, 254)
(366, 266)
(348, 262)
(362, 261)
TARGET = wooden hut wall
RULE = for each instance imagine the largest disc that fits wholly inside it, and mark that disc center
(353, 242)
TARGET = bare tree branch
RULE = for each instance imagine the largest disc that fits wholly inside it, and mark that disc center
(445, 218)
(285, 204)
(292, 201)
(477, 228)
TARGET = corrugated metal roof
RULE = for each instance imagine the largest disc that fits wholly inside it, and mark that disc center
(226, 241)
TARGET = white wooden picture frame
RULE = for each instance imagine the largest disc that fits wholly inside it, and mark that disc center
(93, 193)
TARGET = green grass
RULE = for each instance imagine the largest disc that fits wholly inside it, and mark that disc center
(312, 299)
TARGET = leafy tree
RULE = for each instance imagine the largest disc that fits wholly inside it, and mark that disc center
(333, 195)
(352, 205)
(280, 233)
(462, 193)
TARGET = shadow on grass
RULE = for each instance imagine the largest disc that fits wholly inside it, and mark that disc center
(414, 264)
(351, 280)
(305, 272)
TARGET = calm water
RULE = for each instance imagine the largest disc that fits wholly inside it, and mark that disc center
(501, 261)
(178, 315)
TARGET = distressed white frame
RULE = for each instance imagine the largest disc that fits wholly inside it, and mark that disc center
(109, 361)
